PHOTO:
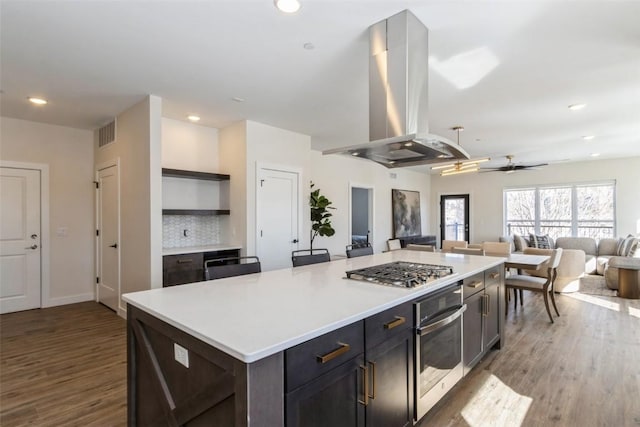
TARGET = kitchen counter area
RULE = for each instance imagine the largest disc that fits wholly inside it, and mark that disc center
(247, 325)
(196, 249)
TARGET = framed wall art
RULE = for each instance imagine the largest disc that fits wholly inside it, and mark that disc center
(405, 205)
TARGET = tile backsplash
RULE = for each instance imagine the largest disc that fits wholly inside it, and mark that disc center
(200, 230)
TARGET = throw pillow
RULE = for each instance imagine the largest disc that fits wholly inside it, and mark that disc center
(542, 242)
(627, 246)
(520, 242)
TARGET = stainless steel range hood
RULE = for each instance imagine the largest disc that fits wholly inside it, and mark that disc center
(398, 98)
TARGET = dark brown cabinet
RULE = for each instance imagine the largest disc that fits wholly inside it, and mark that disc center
(183, 268)
(481, 322)
(354, 376)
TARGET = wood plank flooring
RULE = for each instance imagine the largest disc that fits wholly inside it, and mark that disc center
(67, 366)
(63, 366)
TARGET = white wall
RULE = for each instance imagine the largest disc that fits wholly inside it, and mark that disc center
(138, 147)
(485, 192)
(189, 146)
(233, 161)
(334, 174)
(69, 154)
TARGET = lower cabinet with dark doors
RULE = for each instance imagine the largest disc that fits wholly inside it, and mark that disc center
(188, 268)
(482, 323)
(359, 375)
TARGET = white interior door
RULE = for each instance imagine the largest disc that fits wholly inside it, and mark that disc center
(276, 218)
(20, 278)
(108, 287)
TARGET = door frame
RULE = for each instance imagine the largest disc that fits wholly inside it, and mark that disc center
(281, 168)
(122, 311)
(372, 211)
(466, 196)
(45, 244)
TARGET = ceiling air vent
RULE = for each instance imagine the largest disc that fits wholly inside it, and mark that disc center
(107, 134)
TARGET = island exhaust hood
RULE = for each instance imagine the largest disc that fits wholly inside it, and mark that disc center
(398, 99)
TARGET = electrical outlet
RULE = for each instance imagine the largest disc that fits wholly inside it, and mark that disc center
(181, 355)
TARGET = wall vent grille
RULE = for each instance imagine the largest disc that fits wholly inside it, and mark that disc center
(107, 134)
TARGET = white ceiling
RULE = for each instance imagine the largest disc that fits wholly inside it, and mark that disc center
(94, 59)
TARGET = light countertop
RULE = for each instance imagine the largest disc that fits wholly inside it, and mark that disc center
(254, 316)
(196, 249)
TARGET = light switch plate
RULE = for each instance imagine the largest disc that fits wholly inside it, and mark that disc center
(181, 355)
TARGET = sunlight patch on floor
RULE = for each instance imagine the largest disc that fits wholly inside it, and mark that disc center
(602, 302)
(496, 404)
(635, 312)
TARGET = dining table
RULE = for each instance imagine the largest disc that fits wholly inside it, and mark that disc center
(525, 261)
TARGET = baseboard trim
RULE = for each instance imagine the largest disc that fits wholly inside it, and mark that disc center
(71, 299)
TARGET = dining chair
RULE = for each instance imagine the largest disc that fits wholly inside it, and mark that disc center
(359, 250)
(537, 280)
(393, 244)
(309, 256)
(447, 245)
(229, 267)
(467, 251)
(423, 248)
(497, 248)
(501, 249)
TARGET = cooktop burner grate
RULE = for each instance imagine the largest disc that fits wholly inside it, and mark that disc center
(401, 273)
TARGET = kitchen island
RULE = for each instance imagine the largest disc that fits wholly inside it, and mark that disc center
(230, 350)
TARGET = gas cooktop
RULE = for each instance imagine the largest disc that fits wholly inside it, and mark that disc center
(401, 273)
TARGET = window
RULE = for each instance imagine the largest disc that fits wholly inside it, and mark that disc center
(583, 210)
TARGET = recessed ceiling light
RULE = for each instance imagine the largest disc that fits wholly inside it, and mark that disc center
(574, 107)
(193, 118)
(287, 6)
(38, 101)
(588, 137)
(238, 99)
(595, 154)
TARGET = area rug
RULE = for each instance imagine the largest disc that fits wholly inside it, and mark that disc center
(595, 285)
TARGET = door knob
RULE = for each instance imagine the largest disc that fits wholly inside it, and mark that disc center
(294, 241)
(34, 247)
(34, 236)
(115, 246)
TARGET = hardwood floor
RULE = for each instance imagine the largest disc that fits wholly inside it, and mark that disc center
(582, 370)
(67, 366)
(63, 366)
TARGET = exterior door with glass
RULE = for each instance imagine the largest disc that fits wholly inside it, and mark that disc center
(454, 217)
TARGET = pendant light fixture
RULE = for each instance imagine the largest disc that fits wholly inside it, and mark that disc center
(459, 167)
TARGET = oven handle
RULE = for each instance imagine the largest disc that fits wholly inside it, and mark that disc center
(441, 323)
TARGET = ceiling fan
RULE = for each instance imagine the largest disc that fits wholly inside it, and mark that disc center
(511, 167)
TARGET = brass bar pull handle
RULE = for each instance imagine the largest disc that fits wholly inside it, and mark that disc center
(494, 275)
(365, 386)
(488, 305)
(184, 261)
(399, 320)
(335, 353)
(373, 380)
(475, 284)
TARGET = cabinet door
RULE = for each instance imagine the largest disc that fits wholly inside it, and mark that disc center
(180, 269)
(391, 382)
(492, 316)
(333, 399)
(472, 332)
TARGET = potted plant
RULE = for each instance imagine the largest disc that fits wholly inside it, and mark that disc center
(320, 215)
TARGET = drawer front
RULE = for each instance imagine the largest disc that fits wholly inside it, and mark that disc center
(472, 285)
(493, 275)
(182, 261)
(382, 326)
(313, 358)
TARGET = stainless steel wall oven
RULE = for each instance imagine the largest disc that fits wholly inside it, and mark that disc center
(438, 346)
